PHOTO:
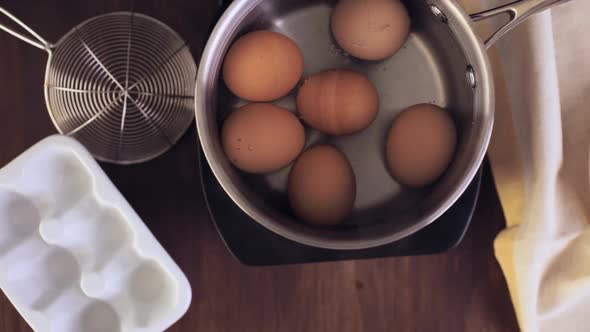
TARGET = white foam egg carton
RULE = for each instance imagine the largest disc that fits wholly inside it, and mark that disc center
(74, 255)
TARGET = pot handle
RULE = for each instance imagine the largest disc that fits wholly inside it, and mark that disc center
(518, 11)
(38, 41)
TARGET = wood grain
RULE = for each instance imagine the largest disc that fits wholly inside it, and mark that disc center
(462, 290)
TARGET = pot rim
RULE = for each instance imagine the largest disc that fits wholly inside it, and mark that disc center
(461, 26)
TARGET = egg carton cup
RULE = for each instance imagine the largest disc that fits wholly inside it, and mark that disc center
(74, 255)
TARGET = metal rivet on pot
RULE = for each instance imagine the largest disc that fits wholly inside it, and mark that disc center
(438, 13)
(470, 76)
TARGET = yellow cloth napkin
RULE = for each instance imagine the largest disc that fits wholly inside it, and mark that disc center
(540, 160)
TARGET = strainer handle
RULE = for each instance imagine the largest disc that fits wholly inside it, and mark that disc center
(39, 42)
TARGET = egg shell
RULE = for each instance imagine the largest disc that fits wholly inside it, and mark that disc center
(338, 102)
(263, 66)
(322, 186)
(262, 138)
(370, 29)
(420, 145)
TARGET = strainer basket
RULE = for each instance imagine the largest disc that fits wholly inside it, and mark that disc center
(121, 84)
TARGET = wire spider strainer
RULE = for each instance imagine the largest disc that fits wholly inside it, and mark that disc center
(122, 84)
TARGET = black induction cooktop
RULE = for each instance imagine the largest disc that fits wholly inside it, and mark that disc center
(252, 244)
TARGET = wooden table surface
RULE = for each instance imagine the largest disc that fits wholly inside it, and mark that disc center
(462, 290)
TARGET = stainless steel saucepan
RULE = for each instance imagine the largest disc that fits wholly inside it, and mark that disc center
(443, 62)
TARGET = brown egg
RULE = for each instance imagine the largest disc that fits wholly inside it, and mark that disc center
(262, 138)
(370, 29)
(338, 102)
(420, 145)
(263, 66)
(322, 186)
